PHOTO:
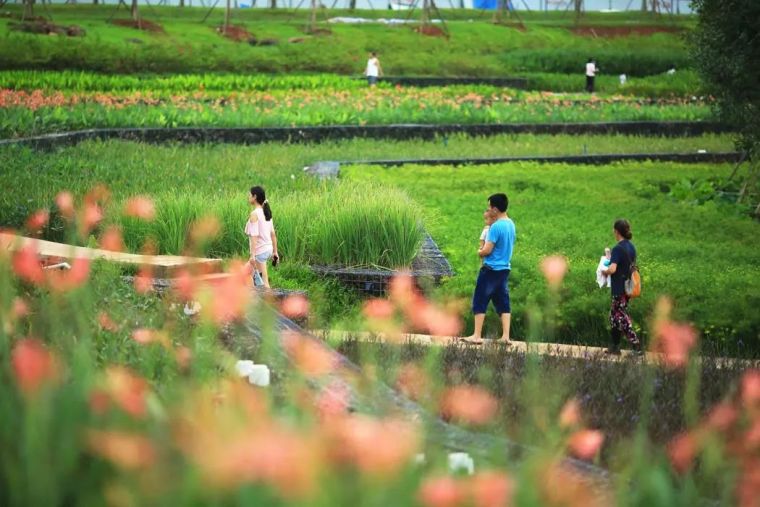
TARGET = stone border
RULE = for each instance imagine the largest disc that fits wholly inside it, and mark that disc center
(429, 265)
(337, 132)
(601, 159)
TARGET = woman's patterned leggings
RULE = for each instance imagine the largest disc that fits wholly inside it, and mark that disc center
(620, 320)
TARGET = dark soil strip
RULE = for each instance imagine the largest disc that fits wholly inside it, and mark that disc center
(685, 158)
(430, 265)
(520, 83)
(338, 132)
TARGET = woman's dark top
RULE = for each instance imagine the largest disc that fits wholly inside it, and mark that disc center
(623, 254)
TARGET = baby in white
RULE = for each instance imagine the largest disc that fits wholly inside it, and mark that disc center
(604, 263)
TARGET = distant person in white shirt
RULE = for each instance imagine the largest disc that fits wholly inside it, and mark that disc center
(590, 75)
(373, 70)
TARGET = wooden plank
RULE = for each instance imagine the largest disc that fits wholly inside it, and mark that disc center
(162, 264)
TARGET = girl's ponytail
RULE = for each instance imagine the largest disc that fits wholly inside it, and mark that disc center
(261, 198)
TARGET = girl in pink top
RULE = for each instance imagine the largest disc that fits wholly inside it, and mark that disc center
(262, 238)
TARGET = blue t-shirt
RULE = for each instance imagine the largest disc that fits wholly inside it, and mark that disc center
(502, 234)
(623, 254)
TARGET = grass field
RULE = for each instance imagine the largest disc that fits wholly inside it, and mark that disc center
(476, 48)
(557, 209)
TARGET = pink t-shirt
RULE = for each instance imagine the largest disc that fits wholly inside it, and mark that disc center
(262, 230)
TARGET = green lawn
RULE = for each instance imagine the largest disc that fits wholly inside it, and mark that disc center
(704, 256)
(566, 209)
(475, 48)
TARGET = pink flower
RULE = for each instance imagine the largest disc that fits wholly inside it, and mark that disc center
(440, 492)
(112, 240)
(585, 444)
(148, 336)
(554, 268)
(413, 382)
(140, 207)
(127, 390)
(183, 356)
(126, 450)
(570, 416)
(469, 404)
(65, 203)
(295, 307)
(66, 280)
(750, 388)
(311, 358)
(33, 365)
(92, 214)
(27, 266)
(37, 220)
(144, 280)
(380, 309)
(674, 341)
(722, 416)
(682, 450)
(491, 489)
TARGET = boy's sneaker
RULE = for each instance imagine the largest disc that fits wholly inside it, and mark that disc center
(637, 350)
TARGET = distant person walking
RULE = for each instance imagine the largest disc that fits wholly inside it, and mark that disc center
(590, 75)
(262, 238)
(622, 259)
(373, 70)
(493, 277)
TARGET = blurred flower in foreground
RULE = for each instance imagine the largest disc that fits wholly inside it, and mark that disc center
(554, 268)
(311, 358)
(585, 444)
(674, 341)
(570, 416)
(294, 307)
(560, 485)
(441, 491)
(27, 266)
(111, 239)
(37, 220)
(65, 280)
(141, 207)
(129, 451)
(126, 390)
(491, 489)
(33, 365)
(413, 382)
(682, 450)
(469, 404)
(65, 203)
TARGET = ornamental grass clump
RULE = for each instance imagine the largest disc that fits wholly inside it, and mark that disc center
(341, 224)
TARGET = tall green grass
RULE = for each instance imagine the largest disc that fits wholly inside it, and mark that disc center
(352, 224)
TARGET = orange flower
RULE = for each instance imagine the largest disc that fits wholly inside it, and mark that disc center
(722, 416)
(377, 447)
(37, 220)
(141, 207)
(27, 266)
(125, 450)
(106, 323)
(570, 416)
(65, 203)
(99, 402)
(469, 404)
(296, 306)
(401, 289)
(127, 390)
(491, 489)
(184, 285)
(440, 492)
(674, 341)
(229, 296)
(205, 229)
(682, 450)
(148, 336)
(311, 358)
(65, 280)
(144, 280)
(112, 240)
(376, 308)
(413, 382)
(33, 365)
(92, 214)
(585, 444)
(333, 400)
(554, 268)
(750, 388)
(183, 356)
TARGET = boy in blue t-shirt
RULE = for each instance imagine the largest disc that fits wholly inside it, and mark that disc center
(493, 278)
